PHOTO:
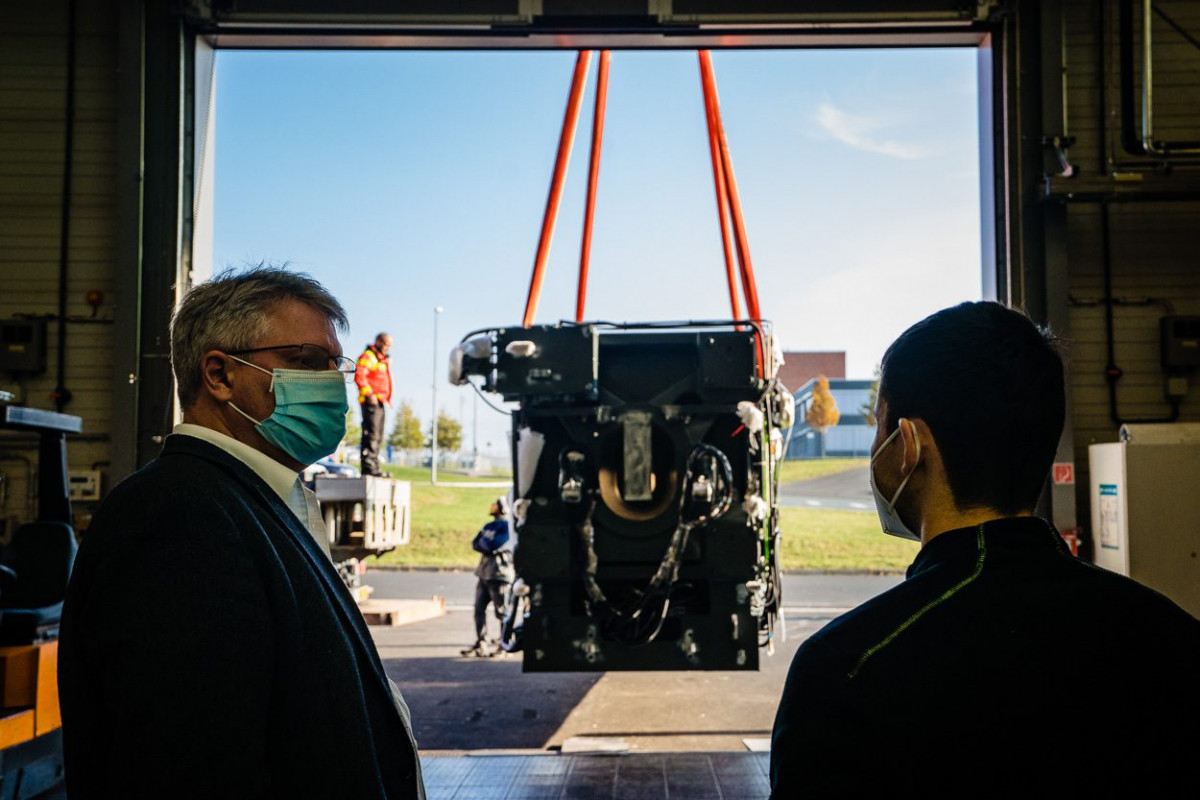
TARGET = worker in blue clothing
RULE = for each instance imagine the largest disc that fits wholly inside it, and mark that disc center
(1002, 666)
(495, 544)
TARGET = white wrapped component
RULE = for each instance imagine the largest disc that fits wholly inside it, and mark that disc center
(777, 355)
(750, 415)
(755, 508)
(785, 406)
(776, 444)
(510, 510)
(520, 349)
(456, 361)
(529, 450)
(477, 348)
(520, 509)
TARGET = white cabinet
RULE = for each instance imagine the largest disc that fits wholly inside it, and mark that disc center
(1145, 500)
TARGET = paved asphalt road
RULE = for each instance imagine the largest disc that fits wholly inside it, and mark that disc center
(461, 704)
(849, 490)
(823, 593)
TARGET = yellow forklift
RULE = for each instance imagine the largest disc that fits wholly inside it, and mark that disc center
(35, 565)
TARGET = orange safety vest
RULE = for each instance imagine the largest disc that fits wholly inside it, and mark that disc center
(373, 376)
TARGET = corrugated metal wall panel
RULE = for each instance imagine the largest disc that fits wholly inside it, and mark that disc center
(1154, 246)
(33, 82)
(1154, 253)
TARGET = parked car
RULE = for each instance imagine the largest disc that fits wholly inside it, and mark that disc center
(327, 466)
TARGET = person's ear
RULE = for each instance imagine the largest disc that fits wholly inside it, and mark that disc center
(215, 377)
(910, 437)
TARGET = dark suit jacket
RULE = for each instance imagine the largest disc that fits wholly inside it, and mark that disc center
(209, 649)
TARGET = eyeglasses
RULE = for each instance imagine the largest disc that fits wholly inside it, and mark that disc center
(308, 356)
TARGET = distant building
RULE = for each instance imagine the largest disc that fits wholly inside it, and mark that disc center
(801, 367)
(850, 438)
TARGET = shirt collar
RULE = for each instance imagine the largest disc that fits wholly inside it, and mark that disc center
(999, 535)
(281, 479)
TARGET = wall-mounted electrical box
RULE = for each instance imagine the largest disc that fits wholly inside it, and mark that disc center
(1180, 342)
(83, 485)
(23, 345)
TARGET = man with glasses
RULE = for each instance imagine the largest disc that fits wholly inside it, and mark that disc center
(373, 376)
(208, 646)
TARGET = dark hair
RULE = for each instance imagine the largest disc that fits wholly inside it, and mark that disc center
(989, 384)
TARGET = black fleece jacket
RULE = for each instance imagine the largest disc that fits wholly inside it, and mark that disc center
(1001, 666)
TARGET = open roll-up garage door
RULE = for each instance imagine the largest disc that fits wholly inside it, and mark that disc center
(178, 52)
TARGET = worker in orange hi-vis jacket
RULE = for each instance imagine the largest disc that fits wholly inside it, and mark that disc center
(373, 376)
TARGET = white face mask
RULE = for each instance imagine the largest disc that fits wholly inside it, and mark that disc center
(888, 518)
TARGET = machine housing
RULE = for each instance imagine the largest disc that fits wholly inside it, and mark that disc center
(646, 527)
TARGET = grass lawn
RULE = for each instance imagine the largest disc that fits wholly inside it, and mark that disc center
(445, 518)
(421, 475)
(825, 539)
(791, 471)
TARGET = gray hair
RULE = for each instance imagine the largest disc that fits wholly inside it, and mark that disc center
(231, 312)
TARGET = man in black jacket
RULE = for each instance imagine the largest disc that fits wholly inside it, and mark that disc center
(495, 572)
(208, 647)
(1002, 666)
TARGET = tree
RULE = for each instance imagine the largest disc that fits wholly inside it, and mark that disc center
(823, 413)
(868, 408)
(449, 432)
(353, 437)
(406, 434)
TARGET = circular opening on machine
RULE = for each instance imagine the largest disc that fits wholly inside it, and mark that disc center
(651, 488)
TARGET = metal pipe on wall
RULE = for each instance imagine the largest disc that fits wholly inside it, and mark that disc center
(62, 395)
(1141, 142)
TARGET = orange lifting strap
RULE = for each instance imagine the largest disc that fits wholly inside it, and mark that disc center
(729, 204)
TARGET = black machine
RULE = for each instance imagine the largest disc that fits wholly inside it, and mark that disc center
(644, 460)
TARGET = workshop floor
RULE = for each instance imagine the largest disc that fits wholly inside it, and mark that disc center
(641, 776)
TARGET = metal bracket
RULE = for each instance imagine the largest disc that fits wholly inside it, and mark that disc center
(1060, 145)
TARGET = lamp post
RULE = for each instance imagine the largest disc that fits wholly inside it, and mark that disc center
(437, 312)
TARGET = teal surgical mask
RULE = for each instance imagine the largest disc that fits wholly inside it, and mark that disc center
(309, 419)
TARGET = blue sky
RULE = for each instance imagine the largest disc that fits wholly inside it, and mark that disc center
(409, 180)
